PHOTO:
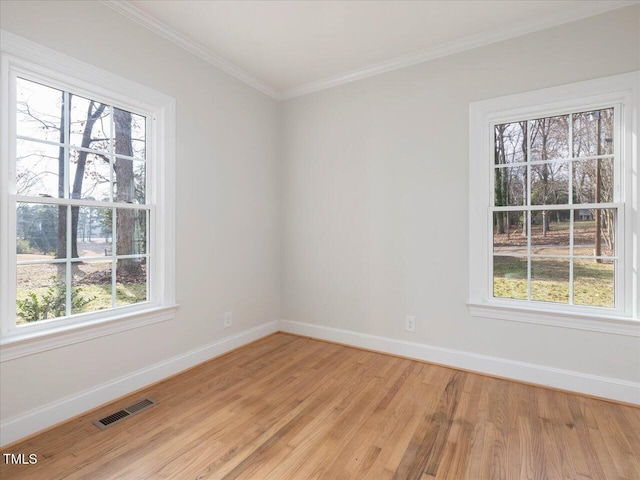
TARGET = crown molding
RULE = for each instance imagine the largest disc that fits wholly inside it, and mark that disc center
(451, 48)
(125, 8)
(128, 10)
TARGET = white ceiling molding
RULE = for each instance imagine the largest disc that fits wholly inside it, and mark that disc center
(128, 10)
(132, 12)
(454, 47)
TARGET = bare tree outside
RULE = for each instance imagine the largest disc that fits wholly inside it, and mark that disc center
(96, 153)
(94, 113)
(563, 162)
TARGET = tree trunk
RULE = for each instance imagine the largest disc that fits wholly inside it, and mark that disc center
(76, 191)
(125, 218)
(545, 222)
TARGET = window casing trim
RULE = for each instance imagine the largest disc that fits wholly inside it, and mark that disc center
(619, 89)
(60, 336)
(18, 68)
(576, 321)
(25, 58)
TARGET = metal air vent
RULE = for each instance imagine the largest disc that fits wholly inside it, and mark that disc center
(124, 413)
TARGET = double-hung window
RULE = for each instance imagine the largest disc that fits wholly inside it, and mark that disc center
(86, 197)
(552, 207)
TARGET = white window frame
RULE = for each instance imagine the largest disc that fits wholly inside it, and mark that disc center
(620, 90)
(35, 62)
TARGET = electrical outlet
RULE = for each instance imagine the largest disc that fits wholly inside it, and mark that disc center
(228, 319)
(410, 323)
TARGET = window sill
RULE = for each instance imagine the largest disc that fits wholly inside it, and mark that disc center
(579, 321)
(17, 346)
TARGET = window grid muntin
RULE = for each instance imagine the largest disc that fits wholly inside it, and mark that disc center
(570, 205)
(14, 199)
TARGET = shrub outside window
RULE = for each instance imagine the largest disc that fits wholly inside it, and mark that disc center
(87, 201)
(81, 212)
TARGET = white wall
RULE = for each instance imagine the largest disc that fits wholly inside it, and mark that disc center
(227, 202)
(375, 197)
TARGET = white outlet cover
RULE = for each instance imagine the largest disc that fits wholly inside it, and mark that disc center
(410, 323)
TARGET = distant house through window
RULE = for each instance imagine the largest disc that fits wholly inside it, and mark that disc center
(554, 216)
(552, 205)
(585, 215)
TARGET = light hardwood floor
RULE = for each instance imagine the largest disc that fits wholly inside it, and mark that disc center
(288, 407)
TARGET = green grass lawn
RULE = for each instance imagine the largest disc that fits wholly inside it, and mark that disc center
(593, 282)
(126, 294)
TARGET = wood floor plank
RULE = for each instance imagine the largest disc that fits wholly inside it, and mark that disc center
(426, 447)
(421, 402)
(501, 464)
(288, 408)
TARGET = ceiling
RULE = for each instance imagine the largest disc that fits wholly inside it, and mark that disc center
(288, 48)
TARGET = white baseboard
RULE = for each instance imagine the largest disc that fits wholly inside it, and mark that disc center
(15, 428)
(604, 387)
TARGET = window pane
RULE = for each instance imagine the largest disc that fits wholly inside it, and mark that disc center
(129, 181)
(510, 143)
(38, 171)
(510, 277)
(90, 123)
(130, 134)
(39, 111)
(40, 292)
(91, 286)
(131, 228)
(593, 283)
(550, 280)
(93, 231)
(550, 232)
(589, 173)
(132, 281)
(41, 231)
(550, 183)
(594, 232)
(510, 232)
(593, 133)
(90, 176)
(549, 138)
(510, 186)
(74, 147)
